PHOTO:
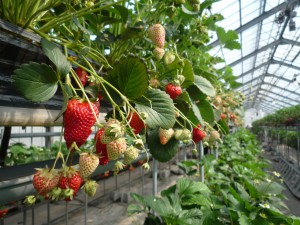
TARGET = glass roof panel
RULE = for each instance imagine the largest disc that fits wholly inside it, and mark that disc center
(272, 3)
(250, 10)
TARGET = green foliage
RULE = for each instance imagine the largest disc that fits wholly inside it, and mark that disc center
(163, 153)
(36, 82)
(238, 189)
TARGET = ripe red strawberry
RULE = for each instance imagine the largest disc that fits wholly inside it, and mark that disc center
(223, 116)
(158, 53)
(82, 75)
(116, 148)
(3, 212)
(232, 116)
(198, 134)
(44, 180)
(173, 90)
(136, 123)
(157, 35)
(78, 121)
(70, 180)
(88, 163)
(165, 135)
(101, 148)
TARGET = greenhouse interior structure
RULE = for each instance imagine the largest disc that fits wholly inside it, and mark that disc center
(174, 112)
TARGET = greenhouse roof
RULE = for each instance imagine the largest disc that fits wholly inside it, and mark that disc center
(268, 63)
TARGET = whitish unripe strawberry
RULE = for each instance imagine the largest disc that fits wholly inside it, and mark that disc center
(114, 128)
(154, 82)
(165, 135)
(214, 136)
(158, 53)
(87, 164)
(157, 35)
(169, 57)
(130, 155)
(116, 148)
(183, 134)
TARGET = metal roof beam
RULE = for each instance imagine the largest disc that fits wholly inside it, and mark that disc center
(264, 105)
(267, 96)
(273, 61)
(255, 68)
(259, 18)
(274, 93)
(281, 41)
(283, 89)
(263, 76)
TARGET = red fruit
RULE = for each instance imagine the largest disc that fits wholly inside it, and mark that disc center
(157, 35)
(45, 180)
(136, 123)
(173, 90)
(3, 212)
(70, 179)
(198, 134)
(78, 121)
(82, 75)
(223, 116)
(232, 116)
(165, 135)
(101, 149)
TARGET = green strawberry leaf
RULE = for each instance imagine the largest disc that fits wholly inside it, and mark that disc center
(57, 57)
(131, 76)
(123, 12)
(188, 73)
(36, 82)
(204, 86)
(162, 153)
(206, 111)
(223, 126)
(159, 107)
(195, 115)
(195, 93)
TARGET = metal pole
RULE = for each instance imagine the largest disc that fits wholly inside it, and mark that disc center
(278, 142)
(154, 189)
(298, 145)
(129, 178)
(184, 154)
(48, 212)
(85, 209)
(142, 180)
(216, 153)
(67, 213)
(32, 215)
(24, 215)
(201, 154)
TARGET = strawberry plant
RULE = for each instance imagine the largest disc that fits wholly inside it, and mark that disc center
(149, 63)
(237, 190)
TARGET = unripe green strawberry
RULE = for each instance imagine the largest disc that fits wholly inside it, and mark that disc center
(130, 155)
(169, 57)
(158, 53)
(114, 128)
(87, 164)
(107, 139)
(196, 7)
(90, 188)
(165, 135)
(179, 2)
(78, 121)
(157, 35)
(183, 134)
(116, 148)
(29, 200)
